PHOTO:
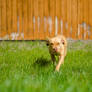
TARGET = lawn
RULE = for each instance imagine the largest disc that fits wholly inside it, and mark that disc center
(26, 67)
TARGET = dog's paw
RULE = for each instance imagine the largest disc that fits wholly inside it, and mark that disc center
(57, 69)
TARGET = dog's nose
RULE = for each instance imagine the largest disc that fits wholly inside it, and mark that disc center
(55, 49)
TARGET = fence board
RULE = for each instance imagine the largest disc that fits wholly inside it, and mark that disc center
(74, 19)
(30, 14)
(46, 14)
(36, 30)
(20, 18)
(86, 19)
(69, 18)
(64, 16)
(90, 18)
(0, 18)
(58, 14)
(3, 17)
(25, 19)
(14, 16)
(80, 19)
(41, 28)
(52, 18)
(9, 22)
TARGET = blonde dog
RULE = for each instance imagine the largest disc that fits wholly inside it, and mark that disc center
(57, 47)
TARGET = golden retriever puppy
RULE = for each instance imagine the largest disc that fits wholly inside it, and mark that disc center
(57, 47)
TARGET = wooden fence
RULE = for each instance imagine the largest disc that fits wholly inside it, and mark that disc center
(38, 19)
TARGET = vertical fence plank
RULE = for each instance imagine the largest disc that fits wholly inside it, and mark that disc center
(0, 19)
(25, 21)
(64, 16)
(86, 19)
(74, 19)
(46, 14)
(52, 18)
(20, 18)
(36, 33)
(3, 18)
(90, 18)
(9, 22)
(14, 15)
(58, 14)
(27, 31)
(30, 33)
(80, 19)
(30, 30)
(40, 9)
(30, 20)
(69, 18)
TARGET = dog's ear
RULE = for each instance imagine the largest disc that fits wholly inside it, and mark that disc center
(63, 42)
(47, 41)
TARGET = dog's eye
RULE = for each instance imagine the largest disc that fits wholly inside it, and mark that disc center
(47, 44)
(63, 42)
(51, 43)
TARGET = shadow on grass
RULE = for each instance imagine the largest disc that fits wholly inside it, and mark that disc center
(42, 62)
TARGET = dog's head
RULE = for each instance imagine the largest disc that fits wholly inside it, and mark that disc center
(56, 44)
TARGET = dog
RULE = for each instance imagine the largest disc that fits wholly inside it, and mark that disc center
(57, 47)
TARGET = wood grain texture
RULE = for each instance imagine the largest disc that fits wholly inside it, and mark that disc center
(36, 19)
(14, 16)
(58, 14)
(74, 19)
(36, 30)
(3, 18)
(80, 19)
(30, 20)
(25, 19)
(90, 19)
(64, 16)
(9, 15)
(69, 18)
(20, 19)
(86, 19)
(41, 17)
(46, 15)
(52, 17)
(0, 17)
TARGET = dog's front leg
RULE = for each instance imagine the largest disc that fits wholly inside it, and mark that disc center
(61, 61)
(53, 59)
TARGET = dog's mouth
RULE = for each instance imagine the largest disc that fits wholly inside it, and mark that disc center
(55, 51)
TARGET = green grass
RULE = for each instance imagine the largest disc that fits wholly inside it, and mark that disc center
(27, 67)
